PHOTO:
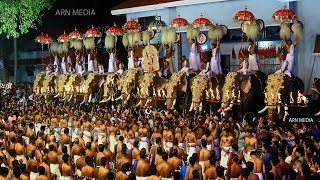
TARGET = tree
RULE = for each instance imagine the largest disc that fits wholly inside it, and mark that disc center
(18, 16)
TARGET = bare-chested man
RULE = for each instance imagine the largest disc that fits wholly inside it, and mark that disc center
(100, 155)
(128, 137)
(234, 170)
(45, 164)
(167, 138)
(191, 141)
(102, 136)
(226, 143)
(210, 169)
(53, 161)
(165, 170)
(121, 175)
(63, 125)
(66, 169)
(143, 166)
(175, 161)
(153, 173)
(77, 125)
(42, 174)
(135, 155)
(204, 155)
(192, 166)
(32, 166)
(56, 128)
(66, 140)
(250, 144)
(87, 131)
(258, 168)
(80, 162)
(112, 130)
(144, 141)
(20, 150)
(75, 150)
(103, 170)
(88, 171)
(122, 158)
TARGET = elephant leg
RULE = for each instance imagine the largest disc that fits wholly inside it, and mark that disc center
(263, 110)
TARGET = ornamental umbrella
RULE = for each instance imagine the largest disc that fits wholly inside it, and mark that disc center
(284, 15)
(115, 31)
(93, 32)
(63, 37)
(201, 23)
(179, 22)
(43, 39)
(75, 35)
(243, 15)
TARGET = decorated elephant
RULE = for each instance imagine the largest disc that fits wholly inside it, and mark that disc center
(73, 86)
(246, 90)
(110, 87)
(91, 86)
(282, 89)
(49, 84)
(177, 86)
(204, 91)
(38, 83)
(151, 88)
(129, 83)
(61, 82)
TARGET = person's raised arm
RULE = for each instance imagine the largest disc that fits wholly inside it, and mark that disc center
(218, 44)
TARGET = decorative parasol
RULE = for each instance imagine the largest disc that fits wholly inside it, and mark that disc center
(93, 32)
(179, 22)
(43, 39)
(131, 26)
(63, 37)
(76, 35)
(157, 24)
(201, 22)
(243, 15)
(284, 15)
(115, 31)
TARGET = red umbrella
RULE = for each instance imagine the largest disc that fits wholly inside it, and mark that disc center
(179, 22)
(243, 15)
(201, 22)
(284, 15)
(115, 31)
(43, 39)
(132, 26)
(63, 38)
(76, 34)
(93, 32)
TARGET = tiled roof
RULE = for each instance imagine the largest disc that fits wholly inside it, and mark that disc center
(138, 3)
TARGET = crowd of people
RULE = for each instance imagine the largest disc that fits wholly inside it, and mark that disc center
(49, 141)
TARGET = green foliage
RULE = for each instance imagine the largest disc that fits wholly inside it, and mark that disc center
(18, 16)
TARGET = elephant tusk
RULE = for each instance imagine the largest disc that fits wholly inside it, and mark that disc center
(263, 110)
(200, 107)
(128, 98)
(279, 109)
(148, 100)
(191, 107)
(139, 103)
(90, 98)
(120, 97)
(70, 98)
(173, 104)
(57, 95)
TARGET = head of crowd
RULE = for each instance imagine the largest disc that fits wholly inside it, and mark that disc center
(40, 140)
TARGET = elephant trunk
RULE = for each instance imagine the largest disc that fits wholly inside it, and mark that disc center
(263, 110)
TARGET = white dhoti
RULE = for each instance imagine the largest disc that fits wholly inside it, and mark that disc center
(129, 143)
(167, 178)
(21, 158)
(194, 61)
(253, 62)
(144, 143)
(86, 137)
(203, 169)
(259, 175)
(112, 142)
(65, 178)
(102, 138)
(37, 127)
(57, 135)
(33, 176)
(75, 133)
(136, 134)
(225, 156)
(141, 178)
(209, 147)
(191, 150)
(75, 158)
(54, 169)
(96, 132)
(167, 146)
(78, 173)
(233, 178)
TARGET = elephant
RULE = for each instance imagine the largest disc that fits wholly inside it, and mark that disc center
(73, 86)
(61, 82)
(129, 83)
(91, 86)
(177, 89)
(151, 87)
(49, 84)
(205, 90)
(38, 83)
(280, 90)
(110, 87)
(235, 90)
